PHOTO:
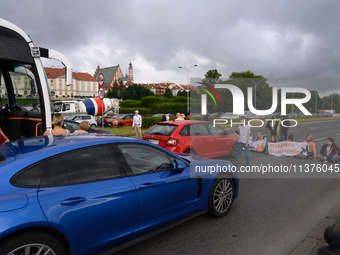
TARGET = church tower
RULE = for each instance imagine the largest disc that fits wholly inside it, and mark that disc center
(130, 72)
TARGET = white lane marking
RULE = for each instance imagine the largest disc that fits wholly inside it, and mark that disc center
(322, 138)
(319, 139)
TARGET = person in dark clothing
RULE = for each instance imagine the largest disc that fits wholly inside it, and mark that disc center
(329, 151)
(270, 126)
(285, 121)
(166, 117)
(206, 116)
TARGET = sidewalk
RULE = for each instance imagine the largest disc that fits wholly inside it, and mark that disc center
(316, 239)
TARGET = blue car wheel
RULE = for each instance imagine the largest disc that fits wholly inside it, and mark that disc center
(221, 197)
(31, 243)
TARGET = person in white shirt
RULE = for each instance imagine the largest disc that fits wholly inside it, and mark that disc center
(178, 117)
(137, 124)
(243, 140)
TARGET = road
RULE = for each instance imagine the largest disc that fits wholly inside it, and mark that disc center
(270, 216)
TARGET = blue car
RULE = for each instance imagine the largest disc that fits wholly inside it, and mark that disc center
(97, 193)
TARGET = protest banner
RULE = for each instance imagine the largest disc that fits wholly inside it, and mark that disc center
(259, 146)
(287, 149)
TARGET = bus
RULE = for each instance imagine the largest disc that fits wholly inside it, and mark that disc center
(25, 102)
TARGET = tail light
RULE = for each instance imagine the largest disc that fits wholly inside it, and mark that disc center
(172, 142)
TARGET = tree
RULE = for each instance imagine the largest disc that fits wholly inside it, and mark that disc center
(168, 93)
(182, 93)
(112, 93)
(137, 92)
(212, 77)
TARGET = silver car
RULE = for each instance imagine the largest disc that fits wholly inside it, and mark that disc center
(80, 117)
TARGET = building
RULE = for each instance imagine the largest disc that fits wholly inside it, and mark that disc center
(83, 84)
(159, 88)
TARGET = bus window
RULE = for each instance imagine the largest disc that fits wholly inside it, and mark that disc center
(21, 115)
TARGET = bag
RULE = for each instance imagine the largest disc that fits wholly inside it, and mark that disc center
(163, 118)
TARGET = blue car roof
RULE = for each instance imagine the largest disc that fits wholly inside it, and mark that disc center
(60, 143)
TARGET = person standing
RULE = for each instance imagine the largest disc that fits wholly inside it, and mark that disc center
(206, 116)
(284, 126)
(243, 140)
(166, 117)
(178, 117)
(137, 124)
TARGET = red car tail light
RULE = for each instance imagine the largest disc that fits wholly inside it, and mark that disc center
(172, 142)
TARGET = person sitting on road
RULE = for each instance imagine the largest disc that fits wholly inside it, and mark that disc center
(329, 151)
(3, 137)
(311, 147)
(83, 127)
(290, 138)
(57, 123)
(260, 137)
(273, 139)
(178, 117)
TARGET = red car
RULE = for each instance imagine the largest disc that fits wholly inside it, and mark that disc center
(194, 137)
(119, 120)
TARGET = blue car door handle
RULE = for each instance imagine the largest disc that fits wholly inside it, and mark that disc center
(73, 200)
(147, 185)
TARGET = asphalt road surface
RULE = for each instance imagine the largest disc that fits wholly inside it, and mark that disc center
(270, 216)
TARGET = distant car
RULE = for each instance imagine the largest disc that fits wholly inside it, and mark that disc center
(215, 115)
(229, 116)
(96, 194)
(324, 114)
(196, 115)
(80, 117)
(119, 120)
(194, 137)
(292, 114)
(73, 126)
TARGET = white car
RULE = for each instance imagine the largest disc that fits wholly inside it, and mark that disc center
(229, 116)
(80, 117)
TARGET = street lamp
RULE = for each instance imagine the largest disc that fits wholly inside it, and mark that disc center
(255, 89)
(332, 102)
(188, 89)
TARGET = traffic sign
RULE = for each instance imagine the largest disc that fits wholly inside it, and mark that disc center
(101, 79)
(101, 93)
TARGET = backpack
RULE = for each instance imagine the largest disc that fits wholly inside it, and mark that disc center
(163, 118)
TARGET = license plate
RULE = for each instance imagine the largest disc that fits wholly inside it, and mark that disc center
(154, 141)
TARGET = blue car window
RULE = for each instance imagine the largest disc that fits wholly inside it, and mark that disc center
(144, 159)
(90, 164)
(29, 177)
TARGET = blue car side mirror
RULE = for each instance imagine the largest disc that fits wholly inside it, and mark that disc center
(179, 165)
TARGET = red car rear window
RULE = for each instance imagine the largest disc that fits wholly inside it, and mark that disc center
(158, 129)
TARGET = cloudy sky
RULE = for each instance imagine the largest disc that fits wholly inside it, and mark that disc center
(277, 39)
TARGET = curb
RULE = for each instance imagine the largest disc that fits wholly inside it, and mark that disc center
(317, 234)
